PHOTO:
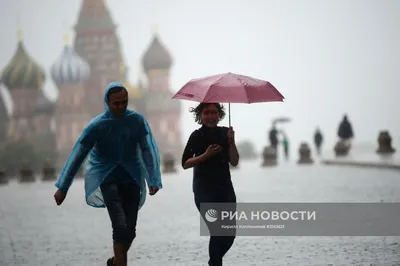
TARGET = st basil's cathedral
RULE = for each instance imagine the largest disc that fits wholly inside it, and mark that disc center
(81, 73)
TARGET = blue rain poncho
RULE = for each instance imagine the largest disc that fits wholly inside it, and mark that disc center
(111, 141)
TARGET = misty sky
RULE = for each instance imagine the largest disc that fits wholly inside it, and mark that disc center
(326, 57)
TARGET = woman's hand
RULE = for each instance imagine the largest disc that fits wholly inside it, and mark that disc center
(231, 136)
(233, 152)
(212, 150)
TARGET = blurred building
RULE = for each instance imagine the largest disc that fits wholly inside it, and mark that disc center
(81, 74)
(4, 118)
(162, 113)
(24, 78)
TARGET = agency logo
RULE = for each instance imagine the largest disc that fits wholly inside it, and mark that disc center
(211, 215)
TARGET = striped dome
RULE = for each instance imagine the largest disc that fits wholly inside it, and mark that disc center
(70, 68)
(22, 71)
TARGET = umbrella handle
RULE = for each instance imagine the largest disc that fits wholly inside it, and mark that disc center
(229, 113)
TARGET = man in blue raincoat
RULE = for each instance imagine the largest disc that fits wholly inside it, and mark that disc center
(123, 157)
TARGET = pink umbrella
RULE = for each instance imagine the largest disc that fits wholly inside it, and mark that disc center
(229, 88)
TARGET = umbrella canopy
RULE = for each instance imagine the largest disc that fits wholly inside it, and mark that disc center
(229, 88)
(281, 120)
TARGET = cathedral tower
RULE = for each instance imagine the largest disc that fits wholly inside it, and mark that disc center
(163, 114)
(97, 42)
(70, 73)
(4, 117)
(24, 78)
(44, 138)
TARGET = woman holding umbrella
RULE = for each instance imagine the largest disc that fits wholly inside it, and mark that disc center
(211, 148)
(209, 151)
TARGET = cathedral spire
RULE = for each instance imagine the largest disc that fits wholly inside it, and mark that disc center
(66, 38)
(96, 34)
(19, 30)
(94, 16)
(19, 34)
(155, 28)
(154, 22)
(66, 34)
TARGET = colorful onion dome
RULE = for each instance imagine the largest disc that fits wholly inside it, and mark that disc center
(22, 71)
(70, 68)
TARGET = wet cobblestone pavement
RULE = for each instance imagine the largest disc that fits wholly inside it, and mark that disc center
(34, 231)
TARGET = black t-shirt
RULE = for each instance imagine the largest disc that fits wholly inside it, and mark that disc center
(214, 170)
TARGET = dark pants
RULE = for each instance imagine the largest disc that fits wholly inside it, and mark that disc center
(218, 245)
(318, 145)
(122, 202)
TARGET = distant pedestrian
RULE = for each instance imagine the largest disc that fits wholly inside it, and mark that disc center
(318, 140)
(285, 143)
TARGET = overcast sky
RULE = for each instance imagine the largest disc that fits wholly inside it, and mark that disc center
(326, 57)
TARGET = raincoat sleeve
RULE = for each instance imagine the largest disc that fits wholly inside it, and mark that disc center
(150, 155)
(76, 158)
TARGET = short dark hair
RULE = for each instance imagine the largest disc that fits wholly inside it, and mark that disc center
(115, 90)
(199, 109)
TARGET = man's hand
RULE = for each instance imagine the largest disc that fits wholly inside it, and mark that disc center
(59, 196)
(153, 190)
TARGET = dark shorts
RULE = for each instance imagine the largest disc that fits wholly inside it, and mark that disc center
(122, 202)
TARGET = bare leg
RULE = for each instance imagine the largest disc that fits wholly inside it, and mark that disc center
(117, 248)
(126, 248)
(120, 256)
